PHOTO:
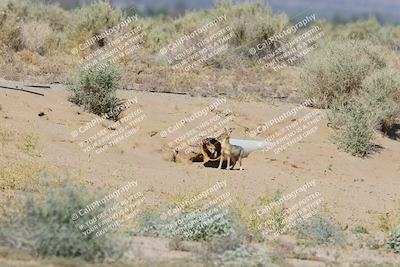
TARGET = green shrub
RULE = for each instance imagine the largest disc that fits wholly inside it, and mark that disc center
(195, 226)
(338, 70)
(394, 240)
(232, 250)
(94, 20)
(45, 228)
(382, 95)
(353, 126)
(359, 30)
(321, 231)
(95, 89)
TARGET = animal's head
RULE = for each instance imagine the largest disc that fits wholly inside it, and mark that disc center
(226, 134)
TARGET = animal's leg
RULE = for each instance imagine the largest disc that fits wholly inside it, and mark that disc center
(229, 161)
(220, 162)
(233, 165)
(240, 163)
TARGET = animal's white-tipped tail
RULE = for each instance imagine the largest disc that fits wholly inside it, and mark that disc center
(250, 145)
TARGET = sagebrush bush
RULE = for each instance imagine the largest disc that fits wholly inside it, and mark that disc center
(93, 20)
(338, 69)
(321, 231)
(242, 255)
(394, 240)
(198, 225)
(95, 89)
(353, 127)
(45, 228)
(359, 30)
(35, 35)
(381, 92)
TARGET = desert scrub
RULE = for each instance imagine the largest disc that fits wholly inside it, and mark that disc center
(338, 70)
(233, 250)
(353, 127)
(321, 231)
(95, 89)
(45, 228)
(394, 240)
(94, 20)
(382, 95)
(197, 225)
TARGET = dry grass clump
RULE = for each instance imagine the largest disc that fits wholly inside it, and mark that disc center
(35, 35)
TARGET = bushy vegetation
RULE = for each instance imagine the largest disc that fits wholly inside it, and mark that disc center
(199, 225)
(394, 240)
(320, 230)
(95, 89)
(353, 126)
(381, 92)
(232, 250)
(45, 228)
(338, 70)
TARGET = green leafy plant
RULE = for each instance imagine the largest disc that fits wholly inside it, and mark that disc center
(338, 70)
(321, 231)
(394, 240)
(45, 228)
(95, 89)
(353, 126)
(382, 96)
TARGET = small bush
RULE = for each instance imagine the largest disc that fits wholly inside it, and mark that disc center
(45, 228)
(94, 20)
(35, 35)
(193, 226)
(321, 231)
(353, 126)
(394, 240)
(233, 251)
(382, 94)
(338, 70)
(95, 89)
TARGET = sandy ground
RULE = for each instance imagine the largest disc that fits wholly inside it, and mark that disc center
(355, 190)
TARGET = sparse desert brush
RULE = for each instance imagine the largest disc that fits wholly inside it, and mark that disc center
(6, 136)
(93, 20)
(35, 35)
(353, 127)
(233, 250)
(390, 37)
(359, 30)
(394, 240)
(198, 225)
(371, 30)
(45, 228)
(382, 95)
(95, 89)
(10, 30)
(338, 70)
(321, 231)
(29, 145)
